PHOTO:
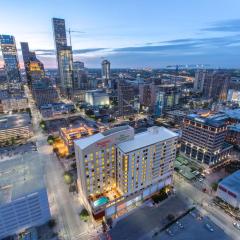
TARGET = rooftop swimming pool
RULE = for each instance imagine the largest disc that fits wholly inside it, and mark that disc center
(100, 201)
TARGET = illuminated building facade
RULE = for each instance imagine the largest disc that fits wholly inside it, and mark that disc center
(65, 60)
(11, 62)
(166, 98)
(117, 168)
(203, 139)
(33, 67)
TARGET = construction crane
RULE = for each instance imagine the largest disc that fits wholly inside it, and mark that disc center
(72, 31)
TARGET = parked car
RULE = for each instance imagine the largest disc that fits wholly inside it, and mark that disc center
(209, 227)
(236, 225)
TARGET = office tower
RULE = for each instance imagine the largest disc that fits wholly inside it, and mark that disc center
(166, 98)
(33, 67)
(106, 73)
(126, 98)
(59, 30)
(80, 79)
(44, 92)
(65, 60)
(216, 85)
(199, 80)
(147, 95)
(10, 57)
(23, 196)
(118, 168)
(203, 138)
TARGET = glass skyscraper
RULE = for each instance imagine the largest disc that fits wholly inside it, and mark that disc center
(10, 57)
(65, 61)
(64, 57)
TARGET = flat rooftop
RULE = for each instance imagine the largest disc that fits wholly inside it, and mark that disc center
(147, 138)
(14, 121)
(235, 127)
(216, 120)
(232, 182)
(85, 142)
(19, 177)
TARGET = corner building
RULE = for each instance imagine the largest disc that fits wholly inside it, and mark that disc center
(118, 169)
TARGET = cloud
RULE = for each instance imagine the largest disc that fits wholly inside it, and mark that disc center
(51, 52)
(224, 26)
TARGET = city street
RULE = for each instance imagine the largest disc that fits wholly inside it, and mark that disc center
(65, 208)
(203, 203)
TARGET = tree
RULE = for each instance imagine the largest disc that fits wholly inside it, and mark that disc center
(52, 223)
(68, 178)
(170, 217)
(84, 215)
(214, 186)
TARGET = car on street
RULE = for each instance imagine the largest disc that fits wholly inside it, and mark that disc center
(169, 232)
(179, 224)
(209, 227)
(236, 225)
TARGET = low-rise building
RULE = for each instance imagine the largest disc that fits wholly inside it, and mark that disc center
(10, 102)
(56, 109)
(233, 135)
(17, 127)
(229, 189)
(118, 169)
(96, 97)
(23, 196)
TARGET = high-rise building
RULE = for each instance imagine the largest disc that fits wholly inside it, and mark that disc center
(118, 168)
(126, 98)
(10, 57)
(80, 79)
(59, 30)
(106, 73)
(216, 85)
(64, 58)
(147, 95)
(33, 67)
(203, 138)
(199, 80)
(166, 98)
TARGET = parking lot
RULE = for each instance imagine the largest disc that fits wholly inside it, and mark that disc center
(193, 227)
(10, 151)
(147, 219)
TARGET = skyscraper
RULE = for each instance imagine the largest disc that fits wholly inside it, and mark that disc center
(10, 57)
(65, 61)
(59, 30)
(106, 73)
(80, 76)
(33, 67)
(216, 85)
(64, 57)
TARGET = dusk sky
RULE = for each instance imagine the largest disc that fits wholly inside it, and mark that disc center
(131, 33)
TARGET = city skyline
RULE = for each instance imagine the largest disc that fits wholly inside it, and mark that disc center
(128, 35)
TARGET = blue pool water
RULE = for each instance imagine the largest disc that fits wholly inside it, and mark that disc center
(100, 201)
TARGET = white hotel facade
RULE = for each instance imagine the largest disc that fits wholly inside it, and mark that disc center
(118, 169)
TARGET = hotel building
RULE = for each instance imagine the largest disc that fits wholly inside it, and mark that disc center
(118, 169)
